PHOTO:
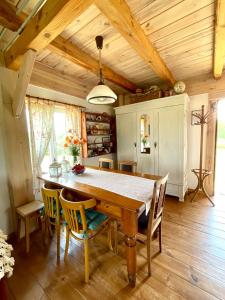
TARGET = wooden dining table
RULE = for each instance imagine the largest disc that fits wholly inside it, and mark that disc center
(114, 204)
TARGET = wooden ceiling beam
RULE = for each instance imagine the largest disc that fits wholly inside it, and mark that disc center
(46, 25)
(49, 78)
(120, 16)
(219, 45)
(8, 17)
(74, 54)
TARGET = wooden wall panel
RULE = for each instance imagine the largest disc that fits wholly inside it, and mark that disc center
(17, 145)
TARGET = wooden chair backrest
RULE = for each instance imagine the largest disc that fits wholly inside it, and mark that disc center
(103, 161)
(128, 166)
(158, 200)
(50, 195)
(72, 208)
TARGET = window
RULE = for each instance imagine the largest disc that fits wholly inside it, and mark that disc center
(56, 149)
(48, 125)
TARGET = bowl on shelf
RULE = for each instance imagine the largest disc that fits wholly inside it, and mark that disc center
(78, 169)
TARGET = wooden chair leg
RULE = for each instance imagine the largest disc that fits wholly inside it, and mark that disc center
(160, 237)
(18, 227)
(27, 232)
(115, 237)
(110, 236)
(43, 229)
(46, 231)
(67, 243)
(149, 254)
(49, 227)
(58, 242)
(86, 260)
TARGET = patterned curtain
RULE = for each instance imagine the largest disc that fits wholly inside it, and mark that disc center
(73, 121)
(41, 127)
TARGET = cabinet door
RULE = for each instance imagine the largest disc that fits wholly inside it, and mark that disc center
(145, 142)
(126, 136)
(170, 143)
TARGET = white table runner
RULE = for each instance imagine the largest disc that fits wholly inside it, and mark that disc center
(138, 188)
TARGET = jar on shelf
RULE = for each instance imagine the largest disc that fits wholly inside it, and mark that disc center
(55, 169)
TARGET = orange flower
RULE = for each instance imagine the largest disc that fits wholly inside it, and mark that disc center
(76, 142)
(65, 145)
(68, 140)
(84, 141)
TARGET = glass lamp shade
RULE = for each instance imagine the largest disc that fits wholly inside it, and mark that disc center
(55, 169)
(101, 94)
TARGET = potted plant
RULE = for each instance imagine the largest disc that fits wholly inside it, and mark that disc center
(6, 264)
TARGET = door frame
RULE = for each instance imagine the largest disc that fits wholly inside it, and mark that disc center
(211, 145)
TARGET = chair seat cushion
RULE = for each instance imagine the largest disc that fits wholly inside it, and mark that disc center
(42, 210)
(94, 219)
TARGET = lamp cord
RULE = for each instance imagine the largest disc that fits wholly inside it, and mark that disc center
(100, 67)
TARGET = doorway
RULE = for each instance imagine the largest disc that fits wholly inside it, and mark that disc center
(220, 150)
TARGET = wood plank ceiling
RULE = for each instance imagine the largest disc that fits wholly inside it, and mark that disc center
(181, 31)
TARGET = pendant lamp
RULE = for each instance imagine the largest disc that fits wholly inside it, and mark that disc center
(101, 93)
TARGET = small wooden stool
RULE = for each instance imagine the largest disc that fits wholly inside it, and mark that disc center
(127, 165)
(25, 213)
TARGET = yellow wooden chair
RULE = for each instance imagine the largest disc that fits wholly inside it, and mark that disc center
(52, 212)
(82, 222)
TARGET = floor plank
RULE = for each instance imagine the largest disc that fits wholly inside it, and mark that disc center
(191, 265)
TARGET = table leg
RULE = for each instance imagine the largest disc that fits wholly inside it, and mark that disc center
(129, 221)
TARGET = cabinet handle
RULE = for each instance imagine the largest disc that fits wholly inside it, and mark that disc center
(135, 144)
(155, 144)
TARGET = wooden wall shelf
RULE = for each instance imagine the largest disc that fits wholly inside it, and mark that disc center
(99, 130)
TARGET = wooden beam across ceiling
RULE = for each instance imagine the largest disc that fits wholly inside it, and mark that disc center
(8, 17)
(219, 46)
(120, 16)
(46, 25)
(49, 78)
(74, 54)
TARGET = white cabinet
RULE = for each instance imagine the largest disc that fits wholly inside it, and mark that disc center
(127, 135)
(145, 159)
(158, 129)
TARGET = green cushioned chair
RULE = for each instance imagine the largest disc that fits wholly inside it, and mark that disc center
(82, 222)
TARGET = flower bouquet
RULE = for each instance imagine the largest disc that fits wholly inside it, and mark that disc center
(73, 143)
(6, 261)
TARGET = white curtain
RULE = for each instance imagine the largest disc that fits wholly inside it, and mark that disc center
(73, 121)
(41, 126)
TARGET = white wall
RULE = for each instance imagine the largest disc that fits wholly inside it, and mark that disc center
(57, 96)
(194, 138)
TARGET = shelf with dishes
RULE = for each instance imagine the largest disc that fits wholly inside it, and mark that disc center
(100, 134)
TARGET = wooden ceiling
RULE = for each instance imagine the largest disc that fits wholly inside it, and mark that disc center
(181, 32)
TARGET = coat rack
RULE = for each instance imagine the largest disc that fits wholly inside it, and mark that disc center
(201, 173)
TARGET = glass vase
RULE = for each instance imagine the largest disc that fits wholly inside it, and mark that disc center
(75, 160)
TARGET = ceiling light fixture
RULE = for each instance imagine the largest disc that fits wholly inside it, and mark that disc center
(101, 93)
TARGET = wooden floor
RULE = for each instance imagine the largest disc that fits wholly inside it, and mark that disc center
(191, 266)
